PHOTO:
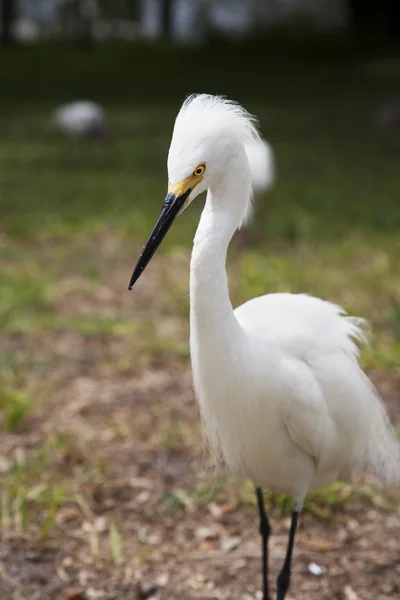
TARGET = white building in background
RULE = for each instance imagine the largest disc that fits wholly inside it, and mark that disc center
(191, 18)
(185, 22)
(232, 18)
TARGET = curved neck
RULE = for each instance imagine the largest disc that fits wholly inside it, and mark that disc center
(210, 305)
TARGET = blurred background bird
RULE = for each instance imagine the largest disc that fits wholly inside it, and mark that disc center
(83, 119)
(263, 174)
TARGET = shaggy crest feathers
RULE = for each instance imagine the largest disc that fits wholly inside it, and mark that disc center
(218, 114)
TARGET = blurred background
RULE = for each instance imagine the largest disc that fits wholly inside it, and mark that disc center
(106, 491)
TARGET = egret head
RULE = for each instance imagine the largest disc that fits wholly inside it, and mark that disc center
(208, 144)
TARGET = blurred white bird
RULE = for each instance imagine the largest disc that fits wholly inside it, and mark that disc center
(82, 119)
(282, 397)
(262, 165)
(262, 172)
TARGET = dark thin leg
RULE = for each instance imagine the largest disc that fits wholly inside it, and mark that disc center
(284, 576)
(265, 530)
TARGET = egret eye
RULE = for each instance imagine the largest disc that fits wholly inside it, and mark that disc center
(199, 171)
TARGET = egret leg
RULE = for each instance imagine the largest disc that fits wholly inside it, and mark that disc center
(284, 576)
(265, 531)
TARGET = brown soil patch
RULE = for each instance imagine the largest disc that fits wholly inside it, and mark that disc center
(134, 459)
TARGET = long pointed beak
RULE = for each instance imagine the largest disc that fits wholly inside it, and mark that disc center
(171, 207)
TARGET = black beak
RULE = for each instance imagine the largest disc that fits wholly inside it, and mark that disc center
(171, 207)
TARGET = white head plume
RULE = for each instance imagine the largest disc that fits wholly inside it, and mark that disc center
(209, 129)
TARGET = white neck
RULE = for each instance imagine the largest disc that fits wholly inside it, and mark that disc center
(211, 312)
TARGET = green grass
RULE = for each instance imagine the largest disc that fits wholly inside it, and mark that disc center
(336, 169)
(25, 500)
(74, 217)
(15, 405)
(323, 504)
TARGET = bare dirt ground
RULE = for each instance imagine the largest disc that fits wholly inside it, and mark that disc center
(141, 513)
(174, 545)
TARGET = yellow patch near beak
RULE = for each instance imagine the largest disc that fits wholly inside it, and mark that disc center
(180, 188)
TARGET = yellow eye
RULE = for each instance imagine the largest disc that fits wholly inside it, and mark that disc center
(199, 171)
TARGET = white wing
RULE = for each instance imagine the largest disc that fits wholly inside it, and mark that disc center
(331, 409)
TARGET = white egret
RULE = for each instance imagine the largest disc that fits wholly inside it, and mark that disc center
(262, 165)
(83, 118)
(282, 397)
(262, 173)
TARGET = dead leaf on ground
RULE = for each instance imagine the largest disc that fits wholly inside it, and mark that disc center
(74, 594)
(317, 544)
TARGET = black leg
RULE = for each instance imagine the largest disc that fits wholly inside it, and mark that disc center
(265, 530)
(284, 576)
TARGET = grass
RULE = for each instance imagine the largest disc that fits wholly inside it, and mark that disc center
(74, 217)
(15, 406)
(26, 501)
